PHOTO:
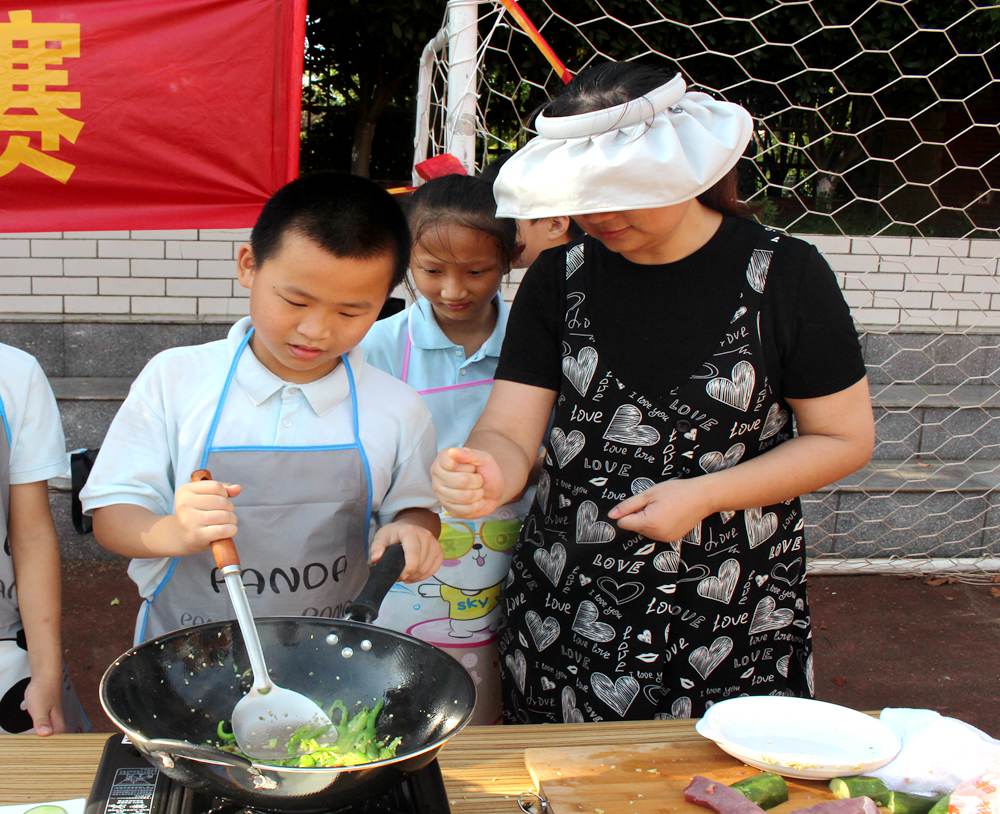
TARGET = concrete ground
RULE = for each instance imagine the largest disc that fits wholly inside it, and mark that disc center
(879, 641)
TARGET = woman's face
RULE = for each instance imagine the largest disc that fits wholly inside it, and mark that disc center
(639, 235)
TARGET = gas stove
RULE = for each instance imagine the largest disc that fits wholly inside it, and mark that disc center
(126, 783)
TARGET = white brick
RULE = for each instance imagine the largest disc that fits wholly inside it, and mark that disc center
(164, 234)
(14, 248)
(198, 288)
(31, 234)
(64, 248)
(963, 301)
(982, 283)
(240, 291)
(34, 305)
(98, 235)
(134, 286)
(852, 262)
(874, 281)
(96, 305)
(199, 249)
(64, 285)
(31, 267)
(829, 244)
(942, 247)
(15, 285)
(96, 268)
(995, 302)
(979, 319)
(875, 316)
(164, 305)
(164, 268)
(903, 299)
(985, 248)
(239, 235)
(934, 282)
(859, 299)
(131, 248)
(923, 317)
(908, 265)
(880, 245)
(223, 305)
(217, 268)
(972, 265)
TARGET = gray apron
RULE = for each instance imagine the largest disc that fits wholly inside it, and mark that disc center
(15, 669)
(304, 528)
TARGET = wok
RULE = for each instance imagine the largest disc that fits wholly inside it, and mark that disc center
(169, 694)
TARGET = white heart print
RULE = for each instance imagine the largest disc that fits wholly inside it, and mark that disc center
(706, 659)
(760, 527)
(571, 715)
(715, 461)
(618, 694)
(776, 418)
(766, 616)
(574, 259)
(566, 446)
(585, 623)
(579, 370)
(548, 684)
(590, 530)
(760, 261)
(737, 391)
(721, 588)
(626, 427)
(543, 632)
(542, 494)
(518, 666)
(552, 562)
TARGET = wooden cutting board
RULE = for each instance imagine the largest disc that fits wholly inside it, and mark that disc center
(644, 779)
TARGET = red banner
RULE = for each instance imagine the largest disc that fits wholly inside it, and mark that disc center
(156, 114)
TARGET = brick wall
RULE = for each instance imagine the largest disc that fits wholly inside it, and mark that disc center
(910, 282)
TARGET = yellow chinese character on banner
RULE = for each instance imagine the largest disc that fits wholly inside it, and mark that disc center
(28, 105)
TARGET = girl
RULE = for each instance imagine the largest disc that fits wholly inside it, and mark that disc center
(446, 345)
(35, 694)
(662, 566)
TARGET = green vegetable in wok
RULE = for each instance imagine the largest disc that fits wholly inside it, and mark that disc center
(350, 742)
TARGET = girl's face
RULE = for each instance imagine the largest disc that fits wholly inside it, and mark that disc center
(639, 235)
(458, 270)
(309, 306)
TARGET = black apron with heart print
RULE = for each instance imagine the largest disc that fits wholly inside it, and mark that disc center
(605, 624)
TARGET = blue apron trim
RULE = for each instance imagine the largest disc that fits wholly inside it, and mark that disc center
(222, 399)
(6, 424)
(361, 451)
(147, 604)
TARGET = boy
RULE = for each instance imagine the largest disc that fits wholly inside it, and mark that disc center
(305, 442)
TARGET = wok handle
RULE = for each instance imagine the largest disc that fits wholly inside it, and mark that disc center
(383, 575)
(224, 551)
(170, 749)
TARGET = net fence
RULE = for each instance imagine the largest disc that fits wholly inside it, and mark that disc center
(877, 139)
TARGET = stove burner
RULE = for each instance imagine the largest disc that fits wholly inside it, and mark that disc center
(127, 784)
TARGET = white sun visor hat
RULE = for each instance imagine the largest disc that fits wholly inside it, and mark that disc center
(663, 148)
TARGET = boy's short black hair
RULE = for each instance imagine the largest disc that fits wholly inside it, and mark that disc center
(347, 215)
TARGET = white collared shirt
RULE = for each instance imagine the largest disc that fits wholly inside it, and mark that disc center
(157, 437)
(436, 361)
(37, 445)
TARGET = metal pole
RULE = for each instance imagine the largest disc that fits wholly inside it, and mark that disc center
(463, 43)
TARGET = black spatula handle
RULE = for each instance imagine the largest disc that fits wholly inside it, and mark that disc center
(383, 575)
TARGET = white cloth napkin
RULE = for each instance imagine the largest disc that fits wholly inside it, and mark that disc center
(75, 806)
(938, 752)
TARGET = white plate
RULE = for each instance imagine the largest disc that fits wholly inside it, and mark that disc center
(799, 737)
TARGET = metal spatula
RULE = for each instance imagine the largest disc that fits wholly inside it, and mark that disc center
(264, 718)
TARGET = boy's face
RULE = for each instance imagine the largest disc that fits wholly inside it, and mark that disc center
(309, 306)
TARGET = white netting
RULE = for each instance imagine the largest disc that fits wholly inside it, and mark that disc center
(876, 130)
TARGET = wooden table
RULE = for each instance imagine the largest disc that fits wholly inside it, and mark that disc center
(483, 766)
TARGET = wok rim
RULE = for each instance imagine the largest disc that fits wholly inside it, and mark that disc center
(140, 740)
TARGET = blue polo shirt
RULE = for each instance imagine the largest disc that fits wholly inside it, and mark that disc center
(436, 361)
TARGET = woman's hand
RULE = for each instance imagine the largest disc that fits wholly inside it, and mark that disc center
(43, 701)
(420, 547)
(666, 511)
(468, 482)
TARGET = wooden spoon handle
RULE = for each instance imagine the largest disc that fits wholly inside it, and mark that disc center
(224, 551)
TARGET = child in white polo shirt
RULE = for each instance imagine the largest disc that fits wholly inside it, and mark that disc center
(306, 443)
(35, 694)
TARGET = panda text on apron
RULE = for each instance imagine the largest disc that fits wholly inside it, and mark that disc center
(305, 526)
